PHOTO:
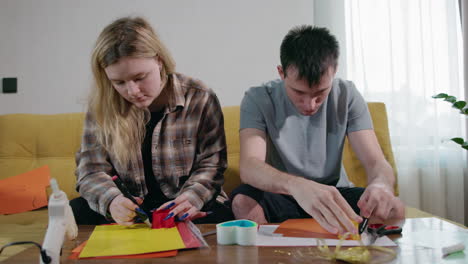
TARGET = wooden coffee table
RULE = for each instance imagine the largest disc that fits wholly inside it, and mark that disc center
(420, 242)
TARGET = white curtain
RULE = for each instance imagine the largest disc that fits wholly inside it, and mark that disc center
(464, 13)
(401, 52)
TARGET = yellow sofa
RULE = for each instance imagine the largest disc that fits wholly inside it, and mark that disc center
(29, 141)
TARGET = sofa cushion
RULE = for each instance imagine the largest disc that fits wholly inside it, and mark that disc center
(29, 141)
(28, 226)
(231, 127)
(353, 167)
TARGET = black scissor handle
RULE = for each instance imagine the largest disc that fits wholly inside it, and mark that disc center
(388, 230)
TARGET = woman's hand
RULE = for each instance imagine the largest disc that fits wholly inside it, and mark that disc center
(182, 208)
(123, 210)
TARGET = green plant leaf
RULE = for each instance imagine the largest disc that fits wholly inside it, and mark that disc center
(459, 104)
(465, 147)
(441, 95)
(465, 111)
(458, 140)
(451, 99)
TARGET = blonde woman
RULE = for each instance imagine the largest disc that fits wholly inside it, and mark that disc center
(160, 132)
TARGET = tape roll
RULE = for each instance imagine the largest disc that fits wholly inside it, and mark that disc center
(242, 232)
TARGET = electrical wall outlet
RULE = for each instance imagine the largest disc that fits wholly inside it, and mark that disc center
(10, 85)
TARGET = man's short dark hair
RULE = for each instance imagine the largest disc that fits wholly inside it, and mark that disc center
(312, 50)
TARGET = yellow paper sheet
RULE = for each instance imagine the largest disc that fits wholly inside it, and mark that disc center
(114, 240)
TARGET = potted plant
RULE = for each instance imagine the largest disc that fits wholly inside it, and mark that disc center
(461, 106)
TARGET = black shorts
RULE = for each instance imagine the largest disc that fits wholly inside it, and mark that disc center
(280, 207)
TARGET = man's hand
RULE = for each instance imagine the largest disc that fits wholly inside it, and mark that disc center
(380, 204)
(378, 201)
(325, 204)
(123, 210)
(182, 208)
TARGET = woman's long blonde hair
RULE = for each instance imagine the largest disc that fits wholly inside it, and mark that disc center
(121, 125)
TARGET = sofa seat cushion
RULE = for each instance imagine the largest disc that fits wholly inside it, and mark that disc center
(30, 141)
(28, 226)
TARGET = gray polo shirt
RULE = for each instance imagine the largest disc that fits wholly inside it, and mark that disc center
(307, 146)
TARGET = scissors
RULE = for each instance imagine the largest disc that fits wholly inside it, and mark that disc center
(384, 230)
(378, 230)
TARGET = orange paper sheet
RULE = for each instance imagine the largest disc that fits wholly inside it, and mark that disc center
(76, 252)
(304, 227)
(24, 192)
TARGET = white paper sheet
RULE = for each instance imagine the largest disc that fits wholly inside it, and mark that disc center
(266, 238)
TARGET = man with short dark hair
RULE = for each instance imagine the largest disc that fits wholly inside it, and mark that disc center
(292, 133)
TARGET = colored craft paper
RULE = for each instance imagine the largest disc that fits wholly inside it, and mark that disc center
(159, 222)
(190, 240)
(24, 192)
(114, 240)
(171, 253)
(305, 227)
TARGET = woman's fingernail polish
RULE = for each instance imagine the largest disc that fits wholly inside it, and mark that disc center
(169, 206)
(184, 216)
(168, 216)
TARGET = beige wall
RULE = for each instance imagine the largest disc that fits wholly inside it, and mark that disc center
(231, 45)
(331, 14)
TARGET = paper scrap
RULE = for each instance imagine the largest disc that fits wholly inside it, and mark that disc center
(114, 240)
(24, 192)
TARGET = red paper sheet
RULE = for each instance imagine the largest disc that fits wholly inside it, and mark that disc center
(159, 222)
(188, 237)
(24, 192)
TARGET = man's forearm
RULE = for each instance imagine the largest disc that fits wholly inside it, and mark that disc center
(262, 176)
(381, 173)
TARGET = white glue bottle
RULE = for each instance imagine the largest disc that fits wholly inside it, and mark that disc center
(61, 223)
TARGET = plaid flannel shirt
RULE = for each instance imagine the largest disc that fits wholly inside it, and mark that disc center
(188, 152)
